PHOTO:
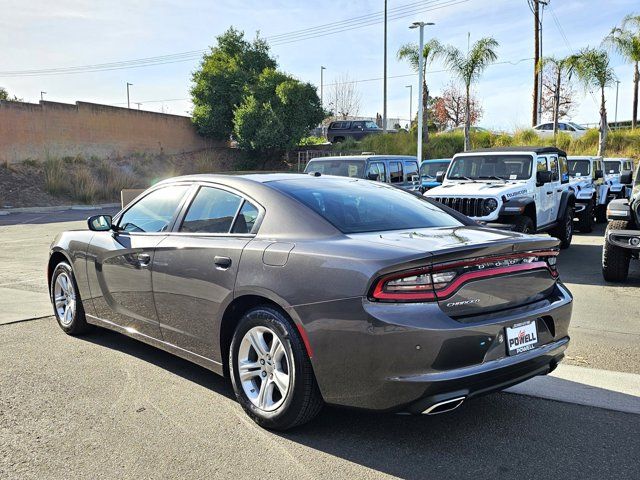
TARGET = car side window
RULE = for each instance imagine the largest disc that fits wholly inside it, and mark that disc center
(553, 166)
(541, 165)
(212, 211)
(411, 170)
(153, 212)
(564, 170)
(357, 125)
(395, 172)
(246, 219)
(378, 169)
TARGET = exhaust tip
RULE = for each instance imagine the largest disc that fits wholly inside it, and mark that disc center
(443, 407)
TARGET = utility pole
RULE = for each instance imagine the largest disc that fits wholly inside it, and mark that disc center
(544, 3)
(138, 103)
(420, 25)
(322, 69)
(384, 101)
(42, 94)
(410, 87)
(536, 112)
(128, 103)
(616, 116)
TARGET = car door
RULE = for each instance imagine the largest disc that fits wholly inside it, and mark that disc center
(412, 179)
(555, 187)
(358, 130)
(376, 169)
(544, 194)
(396, 176)
(195, 268)
(119, 262)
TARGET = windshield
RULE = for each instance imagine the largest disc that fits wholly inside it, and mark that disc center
(576, 126)
(359, 206)
(611, 167)
(579, 168)
(342, 168)
(431, 169)
(487, 167)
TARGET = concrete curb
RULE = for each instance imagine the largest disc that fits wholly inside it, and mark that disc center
(7, 211)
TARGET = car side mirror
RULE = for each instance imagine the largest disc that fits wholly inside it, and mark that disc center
(599, 174)
(626, 177)
(415, 178)
(100, 223)
(440, 177)
(373, 176)
(543, 177)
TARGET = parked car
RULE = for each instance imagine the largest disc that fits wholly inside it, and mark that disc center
(622, 236)
(525, 189)
(340, 130)
(586, 181)
(429, 170)
(570, 128)
(612, 170)
(312, 289)
(397, 170)
(460, 128)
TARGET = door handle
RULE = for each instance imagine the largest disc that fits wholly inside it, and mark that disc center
(549, 193)
(222, 263)
(144, 259)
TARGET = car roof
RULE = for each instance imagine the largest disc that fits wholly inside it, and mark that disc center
(434, 160)
(519, 149)
(364, 157)
(583, 157)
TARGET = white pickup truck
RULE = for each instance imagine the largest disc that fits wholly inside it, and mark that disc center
(525, 189)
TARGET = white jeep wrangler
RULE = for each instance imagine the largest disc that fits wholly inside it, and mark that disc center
(525, 189)
(613, 167)
(586, 181)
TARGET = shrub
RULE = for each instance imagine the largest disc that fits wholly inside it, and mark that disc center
(84, 187)
(312, 141)
(113, 178)
(526, 137)
(56, 181)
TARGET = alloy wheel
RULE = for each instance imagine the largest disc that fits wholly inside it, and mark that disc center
(264, 368)
(64, 296)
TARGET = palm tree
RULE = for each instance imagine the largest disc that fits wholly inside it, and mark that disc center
(593, 69)
(468, 68)
(559, 67)
(626, 40)
(432, 50)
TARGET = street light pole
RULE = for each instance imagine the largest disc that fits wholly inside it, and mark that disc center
(410, 87)
(616, 116)
(384, 101)
(42, 94)
(420, 81)
(128, 103)
(322, 69)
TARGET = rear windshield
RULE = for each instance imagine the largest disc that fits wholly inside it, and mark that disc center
(341, 168)
(359, 206)
(612, 167)
(431, 169)
(580, 168)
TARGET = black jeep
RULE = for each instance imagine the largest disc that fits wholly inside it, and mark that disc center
(622, 237)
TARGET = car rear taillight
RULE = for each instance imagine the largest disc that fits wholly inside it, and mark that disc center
(441, 281)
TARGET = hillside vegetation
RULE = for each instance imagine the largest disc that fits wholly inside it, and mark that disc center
(622, 143)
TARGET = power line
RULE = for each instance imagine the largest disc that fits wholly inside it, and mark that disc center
(282, 39)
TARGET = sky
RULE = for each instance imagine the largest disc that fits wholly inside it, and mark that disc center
(39, 34)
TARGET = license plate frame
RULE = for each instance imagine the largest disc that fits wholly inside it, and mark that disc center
(521, 337)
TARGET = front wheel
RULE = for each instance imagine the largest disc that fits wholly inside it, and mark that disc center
(67, 304)
(564, 230)
(523, 224)
(615, 260)
(586, 222)
(270, 371)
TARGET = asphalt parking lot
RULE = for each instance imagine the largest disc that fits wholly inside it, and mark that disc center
(105, 406)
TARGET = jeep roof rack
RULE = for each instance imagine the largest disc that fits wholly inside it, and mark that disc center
(521, 149)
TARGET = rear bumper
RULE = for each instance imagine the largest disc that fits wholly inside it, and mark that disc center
(629, 239)
(406, 357)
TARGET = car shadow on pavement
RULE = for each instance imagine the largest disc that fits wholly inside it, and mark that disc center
(582, 264)
(499, 436)
(171, 363)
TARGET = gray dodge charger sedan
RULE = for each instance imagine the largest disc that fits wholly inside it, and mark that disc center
(308, 290)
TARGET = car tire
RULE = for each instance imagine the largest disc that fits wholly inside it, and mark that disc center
(66, 301)
(615, 260)
(586, 222)
(523, 224)
(601, 214)
(255, 347)
(564, 230)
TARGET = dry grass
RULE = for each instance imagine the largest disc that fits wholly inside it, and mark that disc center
(112, 179)
(55, 177)
(84, 187)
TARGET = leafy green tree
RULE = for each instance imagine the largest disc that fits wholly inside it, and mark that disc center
(4, 95)
(432, 50)
(626, 40)
(468, 67)
(221, 82)
(277, 114)
(593, 69)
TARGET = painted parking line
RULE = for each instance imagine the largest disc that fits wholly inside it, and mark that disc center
(619, 391)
